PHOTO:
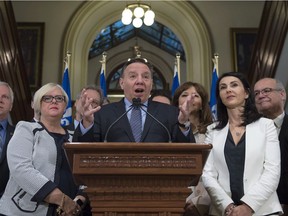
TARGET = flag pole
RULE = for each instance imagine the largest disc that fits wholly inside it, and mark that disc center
(103, 61)
(67, 59)
(176, 76)
(178, 66)
(213, 100)
(103, 74)
(215, 61)
(67, 116)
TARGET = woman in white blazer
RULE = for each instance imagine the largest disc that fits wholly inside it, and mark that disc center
(242, 171)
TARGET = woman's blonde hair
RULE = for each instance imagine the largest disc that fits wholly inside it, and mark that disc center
(43, 91)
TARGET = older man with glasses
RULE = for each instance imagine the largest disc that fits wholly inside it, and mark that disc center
(270, 98)
(6, 131)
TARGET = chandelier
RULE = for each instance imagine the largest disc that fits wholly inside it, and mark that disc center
(137, 13)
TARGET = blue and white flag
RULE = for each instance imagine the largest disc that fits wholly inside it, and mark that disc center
(175, 83)
(213, 102)
(67, 117)
(103, 82)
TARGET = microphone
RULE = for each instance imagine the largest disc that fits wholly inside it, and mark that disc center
(138, 103)
(118, 119)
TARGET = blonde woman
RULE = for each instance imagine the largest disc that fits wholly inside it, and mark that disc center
(41, 181)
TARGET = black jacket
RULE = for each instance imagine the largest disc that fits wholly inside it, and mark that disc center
(282, 189)
(4, 170)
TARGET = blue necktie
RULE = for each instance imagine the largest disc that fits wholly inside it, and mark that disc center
(1, 140)
(136, 123)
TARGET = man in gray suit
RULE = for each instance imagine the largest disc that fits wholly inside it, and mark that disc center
(270, 98)
(6, 131)
(159, 122)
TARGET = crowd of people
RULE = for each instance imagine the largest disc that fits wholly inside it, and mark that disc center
(246, 172)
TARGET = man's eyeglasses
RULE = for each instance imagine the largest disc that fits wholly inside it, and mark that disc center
(49, 98)
(265, 91)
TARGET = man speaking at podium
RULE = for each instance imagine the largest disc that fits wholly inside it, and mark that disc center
(135, 118)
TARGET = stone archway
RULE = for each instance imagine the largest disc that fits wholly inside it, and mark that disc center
(180, 16)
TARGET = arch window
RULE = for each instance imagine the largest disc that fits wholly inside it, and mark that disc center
(117, 33)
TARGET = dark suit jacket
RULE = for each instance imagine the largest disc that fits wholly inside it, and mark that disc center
(70, 128)
(121, 131)
(4, 170)
(282, 190)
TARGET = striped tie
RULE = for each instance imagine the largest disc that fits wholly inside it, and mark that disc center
(136, 123)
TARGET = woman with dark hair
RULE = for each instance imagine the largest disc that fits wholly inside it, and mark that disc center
(242, 171)
(200, 117)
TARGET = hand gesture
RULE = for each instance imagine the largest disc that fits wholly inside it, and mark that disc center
(87, 110)
(184, 111)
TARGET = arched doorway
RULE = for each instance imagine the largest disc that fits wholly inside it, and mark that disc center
(95, 15)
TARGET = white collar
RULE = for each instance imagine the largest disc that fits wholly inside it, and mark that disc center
(279, 120)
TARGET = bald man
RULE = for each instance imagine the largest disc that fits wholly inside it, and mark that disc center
(270, 98)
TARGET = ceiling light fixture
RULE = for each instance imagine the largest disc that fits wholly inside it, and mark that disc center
(137, 13)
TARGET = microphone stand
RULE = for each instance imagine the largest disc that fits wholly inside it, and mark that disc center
(169, 135)
(136, 102)
(105, 138)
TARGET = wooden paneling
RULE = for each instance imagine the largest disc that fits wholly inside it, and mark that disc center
(270, 39)
(137, 179)
(12, 68)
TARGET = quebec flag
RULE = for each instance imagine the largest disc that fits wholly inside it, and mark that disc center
(103, 82)
(67, 117)
(213, 105)
(175, 83)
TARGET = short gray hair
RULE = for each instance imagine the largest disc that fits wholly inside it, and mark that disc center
(95, 88)
(42, 91)
(279, 85)
(10, 89)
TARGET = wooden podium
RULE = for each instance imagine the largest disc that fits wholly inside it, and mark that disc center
(137, 179)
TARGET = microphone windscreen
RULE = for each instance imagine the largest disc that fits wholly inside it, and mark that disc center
(136, 101)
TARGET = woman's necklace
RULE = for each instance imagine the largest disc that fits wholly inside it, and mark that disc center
(237, 132)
